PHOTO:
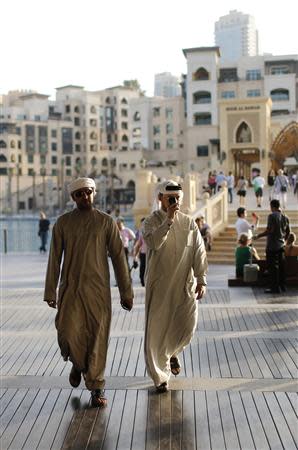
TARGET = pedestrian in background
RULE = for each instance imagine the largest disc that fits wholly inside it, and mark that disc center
(230, 185)
(241, 190)
(281, 186)
(81, 241)
(258, 183)
(43, 231)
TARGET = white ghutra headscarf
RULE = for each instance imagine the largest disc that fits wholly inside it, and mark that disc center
(167, 187)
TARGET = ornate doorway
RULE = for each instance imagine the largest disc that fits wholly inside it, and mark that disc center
(285, 145)
(243, 160)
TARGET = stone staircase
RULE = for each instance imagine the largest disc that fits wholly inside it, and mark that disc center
(224, 244)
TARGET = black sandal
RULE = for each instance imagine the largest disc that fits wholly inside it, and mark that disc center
(75, 377)
(175, 365)
(98, 399)
(163, 387)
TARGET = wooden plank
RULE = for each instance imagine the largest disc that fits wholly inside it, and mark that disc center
(188, 421)
(269, 359)
(244, 367)
(203, 356)
(17, 418)
(186, 368)
(228, 422)
(249, 357)
(231, 357)
(243, 430)
(134, 356)
(6, 397)
(195, 356)
(128, 420)
(101, 422)
(215, 425)
(140, 423)
(113, 428)
(222, 358)
(153, 421)
(255, 421)
(282, 348)
(202, 421)
(111, 355)
(213, 361)
(289, 415)
(261, 361)
(166, 423)
(52, 425)
(293, 399)
(176, 420)
(280, 422)
(279, 362)
(118, 356)
(42, 418)
(267, 422)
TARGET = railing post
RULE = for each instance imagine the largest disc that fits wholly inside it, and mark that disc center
(5, 239)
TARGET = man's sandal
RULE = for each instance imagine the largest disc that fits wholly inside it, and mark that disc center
(75, 377)
(163, 387)
(175, 365)
(98, 399)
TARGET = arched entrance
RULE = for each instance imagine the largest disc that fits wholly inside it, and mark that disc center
(243, 160)
(285, 145)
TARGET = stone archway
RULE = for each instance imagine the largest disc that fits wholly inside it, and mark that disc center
(285, 145)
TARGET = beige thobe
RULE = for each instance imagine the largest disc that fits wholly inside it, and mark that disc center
(84, 239)
(176, 262)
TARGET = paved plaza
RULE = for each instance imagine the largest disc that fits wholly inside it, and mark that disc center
(237, 389)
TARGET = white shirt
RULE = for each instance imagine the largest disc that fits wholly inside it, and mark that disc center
(242, 226)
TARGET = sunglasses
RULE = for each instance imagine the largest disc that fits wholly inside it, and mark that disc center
(79, 194)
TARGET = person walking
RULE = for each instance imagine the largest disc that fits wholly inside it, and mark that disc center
(281, 186)
(81, 241)
(277, 231)
(230, 185)
(258, 184)
(270, 181)
(140, 250)
(241, 190)
(43, 231)
(175, 277)
(126, 234)
(243, 226)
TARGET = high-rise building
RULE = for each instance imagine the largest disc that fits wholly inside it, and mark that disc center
(166, 85)
(236, 35)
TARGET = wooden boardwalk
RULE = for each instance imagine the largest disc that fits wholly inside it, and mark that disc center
(237, 388)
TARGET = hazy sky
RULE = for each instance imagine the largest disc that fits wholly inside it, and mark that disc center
(99, 43)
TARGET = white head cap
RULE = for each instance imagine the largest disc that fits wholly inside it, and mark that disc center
(168, 187)
(81, 183)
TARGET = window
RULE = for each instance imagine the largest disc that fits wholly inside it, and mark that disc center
(42, 159)
(124, 125)
(93, 123)
(169, 113)
(93, 135)
(124, 148)
(93, 110)
(12, 144)
(201, 97)
(68, 161)
(156, 129)
(124, 138)
(54, 146)
(124, 101)
(3, 144)
(53, 133)
(202, 119)
(67, 108)
(93, 148)
(132, 166)
(253, 93)
(67, 141)
(156, 112)
(31, 172)
(279, 70)
(169, 128)
(3, 158)
(202, 150)
(78, 135)
(200, 75)
(13, 158)
(30, 159)
(54, 159)
(76, 109)
(253, 74)
(136, 132)
(228, 75)
(68, 172)
(77, 148)
(228, 94)
(42, 172)
(278, 95)
(77, 121)
(109, 138)
(156, 145)
(54, 172)
(280, 112)
(137, 116)
(124, 112)
(243, 133)
(20, 158)
(170, 143)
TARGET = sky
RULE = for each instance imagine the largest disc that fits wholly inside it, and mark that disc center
(97, 44)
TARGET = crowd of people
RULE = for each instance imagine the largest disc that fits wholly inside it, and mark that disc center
(279, 183)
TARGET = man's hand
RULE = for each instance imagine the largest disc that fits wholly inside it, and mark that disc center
(127, 304)
(200, 290)
(52, 303)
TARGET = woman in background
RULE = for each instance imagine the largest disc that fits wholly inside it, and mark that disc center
(43, 232)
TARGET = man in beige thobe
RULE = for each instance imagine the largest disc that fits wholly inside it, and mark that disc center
(83, 238)
(175, 277)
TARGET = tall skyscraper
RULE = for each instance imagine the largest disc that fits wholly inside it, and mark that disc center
(166, 85)
(236, 35)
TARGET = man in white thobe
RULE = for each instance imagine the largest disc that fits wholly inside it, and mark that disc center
(81, 241)
(175, 277)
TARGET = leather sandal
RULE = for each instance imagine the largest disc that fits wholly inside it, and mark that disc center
(175, 365)
(98, 399)
(163, 387)
(75, 377)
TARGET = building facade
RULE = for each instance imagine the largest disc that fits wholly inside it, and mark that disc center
(166, 85)
(236, 36)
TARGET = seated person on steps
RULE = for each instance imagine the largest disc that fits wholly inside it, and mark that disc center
(244, 253)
